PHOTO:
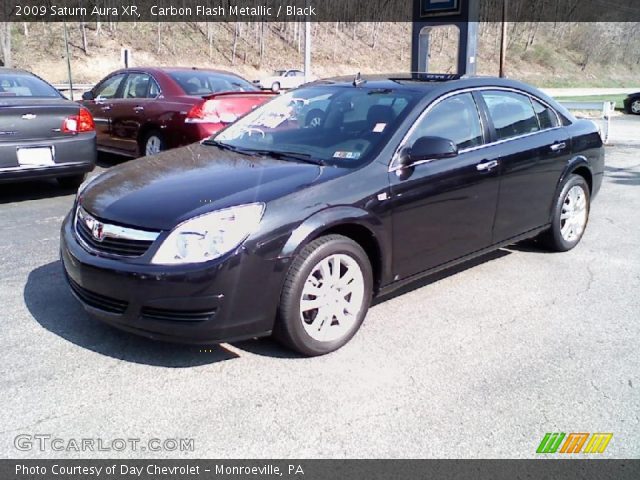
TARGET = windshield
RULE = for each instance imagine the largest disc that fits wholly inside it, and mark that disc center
(343, 126)
(201, 82)
(25, 85)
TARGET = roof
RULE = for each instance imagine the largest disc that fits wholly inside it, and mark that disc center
(12, 70)
(426, 82)
(176, 69)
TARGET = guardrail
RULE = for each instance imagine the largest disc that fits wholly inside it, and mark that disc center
(605, 109)
(77, 87)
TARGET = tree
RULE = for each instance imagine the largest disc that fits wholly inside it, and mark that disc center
(5, 43)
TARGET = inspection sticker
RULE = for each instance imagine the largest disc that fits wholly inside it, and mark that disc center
(349, 155)
(379, 127)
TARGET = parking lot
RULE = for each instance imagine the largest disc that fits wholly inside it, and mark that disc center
(477, 362)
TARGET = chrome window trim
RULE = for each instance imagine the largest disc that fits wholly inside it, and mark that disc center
(111, 231)
(393, 168)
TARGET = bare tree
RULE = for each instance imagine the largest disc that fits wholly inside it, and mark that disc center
(5, 43)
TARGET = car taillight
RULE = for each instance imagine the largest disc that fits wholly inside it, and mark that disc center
(83, 122)
(209, 112)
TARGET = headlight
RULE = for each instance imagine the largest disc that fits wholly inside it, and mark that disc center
(209, 236)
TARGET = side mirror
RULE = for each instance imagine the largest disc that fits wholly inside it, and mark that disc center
(87, 96)
(428, 148)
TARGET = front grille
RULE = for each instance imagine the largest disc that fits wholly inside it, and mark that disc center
(96, 300)
(113, 240)
(178, 315)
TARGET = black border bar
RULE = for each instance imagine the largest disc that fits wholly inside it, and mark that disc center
(312, 10)
(538, 469)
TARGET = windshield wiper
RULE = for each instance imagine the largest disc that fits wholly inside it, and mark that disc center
(302, 157)
(226, 146)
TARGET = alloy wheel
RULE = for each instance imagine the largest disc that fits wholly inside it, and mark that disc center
(332, 298)
(573, 218)
(153, 145)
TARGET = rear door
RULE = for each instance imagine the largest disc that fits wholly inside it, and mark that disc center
(133, 110)
(444, 209)
(101, 107)
(533, 151)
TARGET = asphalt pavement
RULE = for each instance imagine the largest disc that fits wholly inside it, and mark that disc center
(477, 362)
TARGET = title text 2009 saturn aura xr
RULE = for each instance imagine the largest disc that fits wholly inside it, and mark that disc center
(287, 226)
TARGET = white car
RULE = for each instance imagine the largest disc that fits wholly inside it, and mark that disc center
(282, 80)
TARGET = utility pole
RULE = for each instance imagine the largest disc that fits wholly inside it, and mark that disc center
(307, 46)
(503, 41)
(66, 46)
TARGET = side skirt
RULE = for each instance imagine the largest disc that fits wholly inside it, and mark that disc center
(389, 288)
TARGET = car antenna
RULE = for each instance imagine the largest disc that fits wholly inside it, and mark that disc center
(358, 80)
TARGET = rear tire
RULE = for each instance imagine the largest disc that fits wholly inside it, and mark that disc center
(634, 106)
(326, 295)
(73, 181)
(570, 216)
(152, 144)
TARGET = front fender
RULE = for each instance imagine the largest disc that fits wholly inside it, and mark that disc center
(335, 218)
(325, 220)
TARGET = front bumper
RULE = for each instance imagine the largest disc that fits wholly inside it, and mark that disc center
(235, 297)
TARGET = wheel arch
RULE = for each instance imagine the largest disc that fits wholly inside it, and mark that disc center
(578, 165)
(144, 130)
(351, 222)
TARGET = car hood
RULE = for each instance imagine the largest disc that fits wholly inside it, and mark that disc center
(159, 192)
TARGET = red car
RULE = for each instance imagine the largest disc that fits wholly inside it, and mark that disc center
(142, 111)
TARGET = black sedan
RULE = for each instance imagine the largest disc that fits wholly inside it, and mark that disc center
(279, 225)
(42, 134)
(632, 103)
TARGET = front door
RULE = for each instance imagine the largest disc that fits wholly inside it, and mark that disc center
(444, 209)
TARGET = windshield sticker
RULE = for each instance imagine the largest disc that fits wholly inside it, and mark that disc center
(379, 127)
(347, 155)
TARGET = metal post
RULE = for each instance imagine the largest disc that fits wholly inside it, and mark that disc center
(503, 42)
(66, 46)
(307, 47)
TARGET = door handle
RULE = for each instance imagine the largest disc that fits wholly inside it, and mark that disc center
(106, 108)
(487, 166)
(138, 109)
(557, 147)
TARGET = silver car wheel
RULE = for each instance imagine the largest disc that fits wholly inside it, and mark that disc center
(153, 145)
(573, 218)
(332, 298)
(635, 107)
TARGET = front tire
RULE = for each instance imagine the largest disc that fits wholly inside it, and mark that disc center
(275, 88)
(72, 182)
(634, 107)
(326, 295)
(570, 215)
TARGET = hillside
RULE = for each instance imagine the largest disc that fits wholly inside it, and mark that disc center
(552, 55)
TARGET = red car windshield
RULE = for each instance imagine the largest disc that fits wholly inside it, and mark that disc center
(200, 82)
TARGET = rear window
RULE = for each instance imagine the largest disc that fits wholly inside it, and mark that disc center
(204, 83)
(25, 85)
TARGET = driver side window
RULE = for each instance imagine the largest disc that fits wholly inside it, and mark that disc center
(455, 118)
